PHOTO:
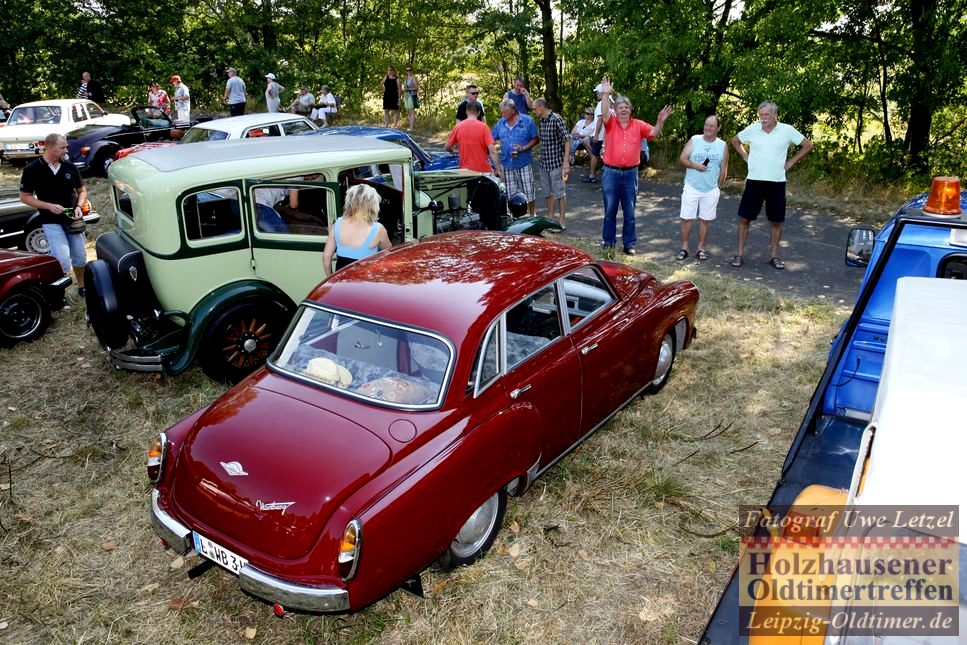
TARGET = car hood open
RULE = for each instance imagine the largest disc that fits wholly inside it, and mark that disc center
(268, 471)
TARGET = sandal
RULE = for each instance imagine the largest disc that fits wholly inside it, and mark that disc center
(681, 255)
(701, 255)
(590, 180)
(737, 261)
(777, 263)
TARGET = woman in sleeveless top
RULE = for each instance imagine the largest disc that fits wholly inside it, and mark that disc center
(392, 88)
(411, 96)
(356, 234)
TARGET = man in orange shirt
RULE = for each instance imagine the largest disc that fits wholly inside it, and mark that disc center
(619, 181)
(475, 142)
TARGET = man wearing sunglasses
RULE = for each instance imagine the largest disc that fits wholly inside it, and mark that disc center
(473, 94)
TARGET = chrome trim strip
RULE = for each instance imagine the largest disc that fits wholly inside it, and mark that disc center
(291, 595)
(61, 282)
(168, 528)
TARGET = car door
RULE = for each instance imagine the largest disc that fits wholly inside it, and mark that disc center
(602, 337)
(287, 242)
(543, 369)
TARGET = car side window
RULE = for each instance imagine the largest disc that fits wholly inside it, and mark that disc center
(211, 213)
(78, 113)
(292, 208)
(295, 127)
(585, 293)
(262, 131)
(487, 363)
(94, 111)
(532, 324)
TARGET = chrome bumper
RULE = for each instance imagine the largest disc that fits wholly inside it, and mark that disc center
(252, 580)
(175, 535)
(134, 361)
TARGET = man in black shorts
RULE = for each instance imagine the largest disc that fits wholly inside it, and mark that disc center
(768, 142)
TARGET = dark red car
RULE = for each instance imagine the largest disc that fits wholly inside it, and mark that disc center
(415, 390)
(31, 286)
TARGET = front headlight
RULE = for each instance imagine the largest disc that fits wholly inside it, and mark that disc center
(156, 457)
(352, 540)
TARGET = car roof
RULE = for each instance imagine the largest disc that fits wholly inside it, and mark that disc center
(248, 120)
(454, 283)
(174, 158)
(54, 102)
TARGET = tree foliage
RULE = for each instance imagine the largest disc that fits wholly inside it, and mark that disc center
(881, 79)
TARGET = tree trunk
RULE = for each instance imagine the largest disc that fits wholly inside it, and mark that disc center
(551, 90)
(923, 14)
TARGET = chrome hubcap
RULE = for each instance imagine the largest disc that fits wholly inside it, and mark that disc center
(249, 345)
(475, 530)
(665, 356)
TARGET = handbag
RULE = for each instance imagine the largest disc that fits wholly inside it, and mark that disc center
(77, 225)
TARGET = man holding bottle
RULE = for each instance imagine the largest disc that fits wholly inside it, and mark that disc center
(53, 186)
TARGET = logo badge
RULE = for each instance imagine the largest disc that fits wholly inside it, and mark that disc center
(233, 468)
(273, 506)
(133, 272)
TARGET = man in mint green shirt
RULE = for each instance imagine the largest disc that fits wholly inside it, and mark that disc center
(768, 142)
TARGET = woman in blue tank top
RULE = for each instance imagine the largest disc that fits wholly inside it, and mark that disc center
(356, 234)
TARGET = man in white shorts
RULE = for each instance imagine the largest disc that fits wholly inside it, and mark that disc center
(706, 161)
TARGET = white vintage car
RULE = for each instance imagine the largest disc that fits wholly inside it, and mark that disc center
(22, 138)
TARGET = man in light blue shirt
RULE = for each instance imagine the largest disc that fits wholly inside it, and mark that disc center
(768, 142)
(517, 135)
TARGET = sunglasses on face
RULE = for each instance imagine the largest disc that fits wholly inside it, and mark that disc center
(474, 93)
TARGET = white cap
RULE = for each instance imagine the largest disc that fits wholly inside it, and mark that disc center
(270, 75)
(599, 88)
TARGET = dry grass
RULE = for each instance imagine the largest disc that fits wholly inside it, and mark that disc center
(626, 540)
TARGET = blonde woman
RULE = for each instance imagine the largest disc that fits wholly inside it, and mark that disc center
(411, 96)
(356, 234)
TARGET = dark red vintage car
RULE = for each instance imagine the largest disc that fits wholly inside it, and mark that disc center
(415, 390)
(31, 286)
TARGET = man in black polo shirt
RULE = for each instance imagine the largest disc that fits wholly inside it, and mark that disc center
(51, 184)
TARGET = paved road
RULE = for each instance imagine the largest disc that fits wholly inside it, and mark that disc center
(812, 247)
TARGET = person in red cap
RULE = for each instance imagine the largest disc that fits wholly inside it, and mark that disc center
(182, 99)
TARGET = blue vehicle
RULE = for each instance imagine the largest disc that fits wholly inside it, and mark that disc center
(926, 237)
(421, 158)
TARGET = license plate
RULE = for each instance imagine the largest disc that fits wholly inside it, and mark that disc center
(17, 146)
(218, 554)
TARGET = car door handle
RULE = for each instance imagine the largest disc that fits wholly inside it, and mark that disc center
(516, 393)
(587, 349)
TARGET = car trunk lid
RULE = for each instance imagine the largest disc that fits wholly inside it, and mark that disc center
(268, 470)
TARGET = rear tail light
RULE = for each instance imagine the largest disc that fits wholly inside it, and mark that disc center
(352, 538)
(156, 457)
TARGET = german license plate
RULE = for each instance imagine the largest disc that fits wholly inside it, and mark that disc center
(17, 146)
(218, 554)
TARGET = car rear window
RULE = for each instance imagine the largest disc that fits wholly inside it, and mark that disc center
(42, 114)
(371, 360)
(197, 135)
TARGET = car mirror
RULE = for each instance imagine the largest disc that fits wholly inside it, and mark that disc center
(859, 246)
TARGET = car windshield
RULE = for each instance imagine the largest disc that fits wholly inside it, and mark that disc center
(197, 135)
(41, 114)
(372, 360)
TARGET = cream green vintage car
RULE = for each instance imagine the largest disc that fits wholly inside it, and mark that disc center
(216, 243)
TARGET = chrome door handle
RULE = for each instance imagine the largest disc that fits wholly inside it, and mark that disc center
(516, 393)
(587, 350)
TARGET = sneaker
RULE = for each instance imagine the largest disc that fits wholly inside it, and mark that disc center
(630, 250)
(606, 247)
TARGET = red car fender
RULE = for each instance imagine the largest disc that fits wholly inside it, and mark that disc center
(42, 273)
(410, 526)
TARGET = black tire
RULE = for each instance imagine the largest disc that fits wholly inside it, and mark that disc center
(102, 161)
(240, 339)
(35, 241)
(666, 360)
(103, 307)
(24, 315)
(477, 534)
